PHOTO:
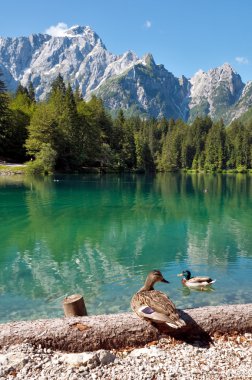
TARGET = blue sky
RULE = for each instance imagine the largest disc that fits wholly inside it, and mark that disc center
(184, 35)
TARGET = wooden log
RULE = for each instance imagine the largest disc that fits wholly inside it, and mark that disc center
(117, 331)
(74, 306)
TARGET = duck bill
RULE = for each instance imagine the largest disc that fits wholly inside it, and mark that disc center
(166, 281)
(180, 275)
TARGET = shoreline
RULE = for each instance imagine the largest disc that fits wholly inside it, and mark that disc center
(125, 347)
(226, 357)
(8, 169)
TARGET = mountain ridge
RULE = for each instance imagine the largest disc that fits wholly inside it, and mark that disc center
(122, 81)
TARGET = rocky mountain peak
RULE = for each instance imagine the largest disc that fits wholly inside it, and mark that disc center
(148, 60)
(80, 31)
(84, 32)
(214, 91)
(125, 80)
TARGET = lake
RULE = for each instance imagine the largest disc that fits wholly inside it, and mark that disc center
(99, 235)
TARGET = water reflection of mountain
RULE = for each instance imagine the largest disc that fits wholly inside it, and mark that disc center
(87, 233)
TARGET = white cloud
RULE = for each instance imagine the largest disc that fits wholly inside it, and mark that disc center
(147, 24)
(242, 60)
(58, 30)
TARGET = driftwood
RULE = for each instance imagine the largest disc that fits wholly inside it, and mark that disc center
(117, 331)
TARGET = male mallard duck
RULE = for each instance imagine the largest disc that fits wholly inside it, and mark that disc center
(155, 306)
(191, 282)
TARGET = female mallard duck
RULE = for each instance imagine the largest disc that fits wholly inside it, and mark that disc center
(191, 282)
(155, 306)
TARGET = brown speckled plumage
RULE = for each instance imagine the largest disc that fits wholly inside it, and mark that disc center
(154, 305)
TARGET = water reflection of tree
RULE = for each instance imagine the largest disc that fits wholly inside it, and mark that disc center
(87, 232)
(215, 211)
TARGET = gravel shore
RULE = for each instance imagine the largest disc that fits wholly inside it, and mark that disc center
(227, 357)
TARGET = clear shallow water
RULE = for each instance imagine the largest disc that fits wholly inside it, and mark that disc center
(100, 236)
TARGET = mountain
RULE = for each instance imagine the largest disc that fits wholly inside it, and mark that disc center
(147, 89)
(126, 81)
(79, 56)
(215, 93)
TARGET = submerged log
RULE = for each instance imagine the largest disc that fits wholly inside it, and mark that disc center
(117, 331)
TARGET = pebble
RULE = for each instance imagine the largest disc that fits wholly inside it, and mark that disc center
(227, 357)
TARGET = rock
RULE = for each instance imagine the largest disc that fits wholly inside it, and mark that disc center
(153, 351)
(75, 360)
(15, 360)
(105, 357)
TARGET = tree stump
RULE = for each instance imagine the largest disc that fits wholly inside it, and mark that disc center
(74, 306)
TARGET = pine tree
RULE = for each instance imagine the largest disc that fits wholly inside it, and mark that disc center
(215, 148)
(4, 118)
(89, 135)
(197, 138)
(239, 146)
(21, 90)
(128, 153)
(144, 158)
(69, 126)
(31, 92)
(171, 156)
(118, 138)
(58, 85)
(100, 119)
(57, 95)
(77, 94)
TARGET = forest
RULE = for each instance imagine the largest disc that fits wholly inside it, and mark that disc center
(67, 133)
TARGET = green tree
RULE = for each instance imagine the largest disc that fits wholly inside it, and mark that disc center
(215, 148)
(21, 101)
(117, 140)
(57, 95)
(21, 89)
(144, 159)
(45, 160)
(42, 130)
(21, 110)
(17, 135)
(89, 136)
(68, 125)
(171, 156)
(198, 134)
(128, 152)
(62, 103)
(99, 119)
(239, 146)
(77, 95)
(31, 92)
(4, 118)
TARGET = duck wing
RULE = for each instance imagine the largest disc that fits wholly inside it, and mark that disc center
(201, 280)
(157, 307)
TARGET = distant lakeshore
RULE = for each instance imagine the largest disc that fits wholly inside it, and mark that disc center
(20, 169)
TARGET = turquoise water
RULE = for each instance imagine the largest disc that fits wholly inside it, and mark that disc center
(100, 236)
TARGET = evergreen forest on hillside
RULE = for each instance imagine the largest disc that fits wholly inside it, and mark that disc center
(66, 132)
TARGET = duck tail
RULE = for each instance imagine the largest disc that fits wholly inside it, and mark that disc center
(176, 324)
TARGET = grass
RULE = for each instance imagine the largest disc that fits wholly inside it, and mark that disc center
(12, 169)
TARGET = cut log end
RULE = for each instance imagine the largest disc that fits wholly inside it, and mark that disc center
(74, 306)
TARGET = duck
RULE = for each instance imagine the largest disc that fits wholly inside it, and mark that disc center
(153, 305)
(191, 282)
